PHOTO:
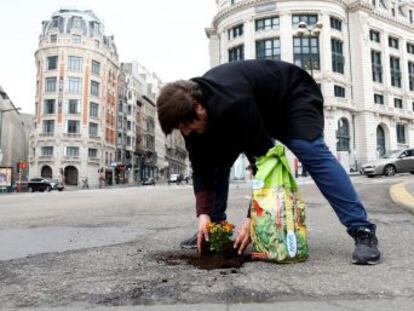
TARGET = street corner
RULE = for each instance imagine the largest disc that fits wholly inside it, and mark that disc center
(402, 195)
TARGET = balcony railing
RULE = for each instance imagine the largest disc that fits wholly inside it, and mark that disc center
(46, 158)
(71, 158)
(47, 134)
(94, 160)
(72, 135)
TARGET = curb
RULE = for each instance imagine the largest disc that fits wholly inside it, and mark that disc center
(400, 196)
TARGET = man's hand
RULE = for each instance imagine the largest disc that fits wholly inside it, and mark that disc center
(202, 234)
(243, 236)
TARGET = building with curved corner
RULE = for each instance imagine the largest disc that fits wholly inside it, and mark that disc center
(76, 99)
(361, 53)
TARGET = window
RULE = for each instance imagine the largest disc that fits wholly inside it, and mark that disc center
(73, 127)
(73, 106)
(339, 91)
(374, 36)
(77, 22)
(337, 56)
(267, 23)
(49, 106)
(410, 12)
(50, 85)
(268, 49)
(234, 1)
(395, 71)
(52, 63)
(379, 99)
(412, 104)
(74, 85)
(410, 48)
(95, 88)
(93, 129)
(398, 103)
(48, 126)
(72, 152)
(96, 68)
(393, 42)
(309, 19)
(235, 32)
(236, 53)
(47, 151)
(336, 23)
(401, 139)
(342, 135)
(93, 110)
(53, 39)
(75, 63)
(376, 66)
(76, 39)
(411, 75)
(92, 153)
(306, 49)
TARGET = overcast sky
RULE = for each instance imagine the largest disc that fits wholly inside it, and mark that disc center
(166, 36)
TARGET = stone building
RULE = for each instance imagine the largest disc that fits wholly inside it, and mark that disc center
(76, 100)
(14, 129)
(361, 53)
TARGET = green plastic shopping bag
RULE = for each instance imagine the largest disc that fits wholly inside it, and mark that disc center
(278, 229)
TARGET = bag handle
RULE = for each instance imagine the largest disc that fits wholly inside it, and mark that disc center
(273, 169)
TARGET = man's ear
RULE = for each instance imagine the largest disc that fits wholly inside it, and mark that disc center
(199, 108)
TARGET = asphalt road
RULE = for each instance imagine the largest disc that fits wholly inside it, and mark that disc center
(104, 247)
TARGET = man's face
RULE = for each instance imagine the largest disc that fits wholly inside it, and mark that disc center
(196, 126)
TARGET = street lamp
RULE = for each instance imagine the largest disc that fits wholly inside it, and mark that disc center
(315, 30)
(1, 125)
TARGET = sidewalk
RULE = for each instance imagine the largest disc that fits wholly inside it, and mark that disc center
(403, 195)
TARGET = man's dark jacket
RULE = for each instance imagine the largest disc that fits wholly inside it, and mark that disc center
(248, 104)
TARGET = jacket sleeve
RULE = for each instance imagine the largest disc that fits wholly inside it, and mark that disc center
(203, 173)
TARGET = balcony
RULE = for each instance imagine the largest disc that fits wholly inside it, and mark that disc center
(72, 135)
(94, 160)
(47, 134)
(94, 137)
(45, 158)
(71, 159)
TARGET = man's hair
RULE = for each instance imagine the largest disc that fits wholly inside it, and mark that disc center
(175, 104)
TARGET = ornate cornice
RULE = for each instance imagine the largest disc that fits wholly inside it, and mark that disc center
(235, 8)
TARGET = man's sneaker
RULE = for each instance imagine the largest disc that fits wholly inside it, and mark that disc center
(190, 243)
(366, 247)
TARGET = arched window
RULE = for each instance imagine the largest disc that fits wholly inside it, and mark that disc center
(380, 140)
(342, 135)
(46, 172)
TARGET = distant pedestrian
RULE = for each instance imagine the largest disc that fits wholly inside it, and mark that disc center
(85, 184)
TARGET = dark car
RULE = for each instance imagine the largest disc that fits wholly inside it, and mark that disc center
(148, 181)
(44, 184)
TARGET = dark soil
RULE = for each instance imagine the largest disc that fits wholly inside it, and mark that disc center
(228, 260)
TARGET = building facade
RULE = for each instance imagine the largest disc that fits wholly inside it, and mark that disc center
(14, 128)
(361, 53)
(76, 100)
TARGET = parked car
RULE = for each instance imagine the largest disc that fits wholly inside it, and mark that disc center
(398, 161)
(44, 184)
(174, 178)
(148, 181)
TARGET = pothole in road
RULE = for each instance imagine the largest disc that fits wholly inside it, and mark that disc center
(213, 262)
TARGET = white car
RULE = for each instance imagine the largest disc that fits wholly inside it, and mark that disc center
(174, 178)
(398, 161)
